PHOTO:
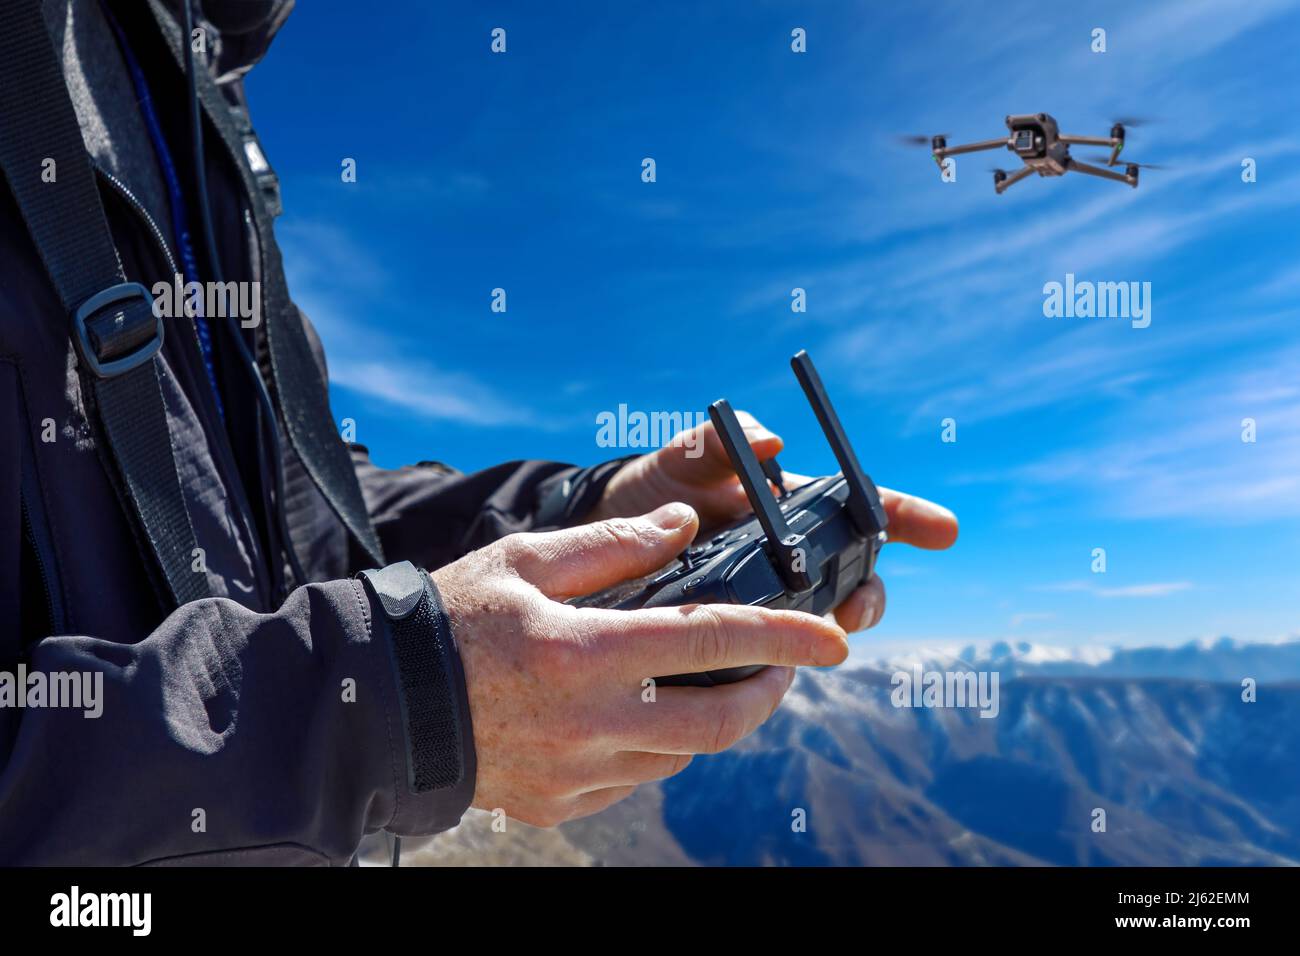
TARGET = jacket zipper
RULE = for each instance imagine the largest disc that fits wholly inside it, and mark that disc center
(34, 527)
(43, 561)
(221, 441)
(120, 188)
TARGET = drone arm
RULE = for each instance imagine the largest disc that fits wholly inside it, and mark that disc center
(1115, 144)
(1090, 140)
(1101, 172)
(1012, 179)
(971, 147)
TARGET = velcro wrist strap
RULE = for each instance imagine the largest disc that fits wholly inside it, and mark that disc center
(430, 679)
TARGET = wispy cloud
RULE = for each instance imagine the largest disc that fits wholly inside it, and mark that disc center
(1173, 32)
(1189, 456)
(427, 391)
(344, 291)
(1153, 590)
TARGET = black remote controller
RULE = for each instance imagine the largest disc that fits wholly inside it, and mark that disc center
(806, 550)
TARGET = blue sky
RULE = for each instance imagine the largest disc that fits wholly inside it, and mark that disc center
(778, 170)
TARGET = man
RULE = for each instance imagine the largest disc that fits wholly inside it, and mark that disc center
(299, 684)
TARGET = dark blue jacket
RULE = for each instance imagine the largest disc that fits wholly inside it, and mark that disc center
(251, 727)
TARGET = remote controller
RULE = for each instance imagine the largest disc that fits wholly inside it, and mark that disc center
(804, 550)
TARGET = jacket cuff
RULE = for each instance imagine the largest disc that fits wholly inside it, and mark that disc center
(437, 734)
(566, 497)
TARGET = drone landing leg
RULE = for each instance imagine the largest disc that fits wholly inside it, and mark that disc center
(1012, 179)
(1101, 172)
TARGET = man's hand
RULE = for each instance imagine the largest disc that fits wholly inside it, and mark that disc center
(694, 468)
(562, 724)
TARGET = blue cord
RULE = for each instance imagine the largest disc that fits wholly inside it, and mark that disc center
(180, 224)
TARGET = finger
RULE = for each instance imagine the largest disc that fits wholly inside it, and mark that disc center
(704, 720)
(584, 559)
(702, 637)
(863, 608)
(586, 804)
(912, 520)
(737, 502)
(632, 768)
(793, 480)
(918, 522)
(697, 455)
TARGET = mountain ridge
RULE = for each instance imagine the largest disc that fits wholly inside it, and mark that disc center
(1185, 770)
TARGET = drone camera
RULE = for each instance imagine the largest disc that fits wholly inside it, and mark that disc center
(1026, 142)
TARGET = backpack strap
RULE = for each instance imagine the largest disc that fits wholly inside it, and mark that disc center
(300, 388)
(113, 328)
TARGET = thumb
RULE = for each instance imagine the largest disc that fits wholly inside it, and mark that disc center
(576, 561)
(697, 456)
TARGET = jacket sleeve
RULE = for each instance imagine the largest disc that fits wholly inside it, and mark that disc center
(431, 514)
(227, 736)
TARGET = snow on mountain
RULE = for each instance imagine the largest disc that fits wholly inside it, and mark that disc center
(1220, 659)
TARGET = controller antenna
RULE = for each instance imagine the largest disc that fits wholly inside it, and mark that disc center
(864, 507)
(788, 548)
(775, 475)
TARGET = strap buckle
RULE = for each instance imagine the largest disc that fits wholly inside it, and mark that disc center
(116, 330)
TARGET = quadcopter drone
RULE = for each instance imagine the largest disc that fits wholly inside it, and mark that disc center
(1037, 140)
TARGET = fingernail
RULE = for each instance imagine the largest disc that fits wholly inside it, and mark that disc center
(936, 510)
(672, 516)
(831, 652)
(869, 617)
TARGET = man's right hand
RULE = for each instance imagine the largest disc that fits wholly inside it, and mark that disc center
(562, 728)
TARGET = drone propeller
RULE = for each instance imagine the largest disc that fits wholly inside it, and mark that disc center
(918, 140)
(1132, 121)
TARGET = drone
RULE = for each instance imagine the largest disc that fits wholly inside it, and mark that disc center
(1041, 146)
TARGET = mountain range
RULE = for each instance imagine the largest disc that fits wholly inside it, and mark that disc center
(1150, 756)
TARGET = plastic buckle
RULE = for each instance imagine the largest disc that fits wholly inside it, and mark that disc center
(94, 308)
